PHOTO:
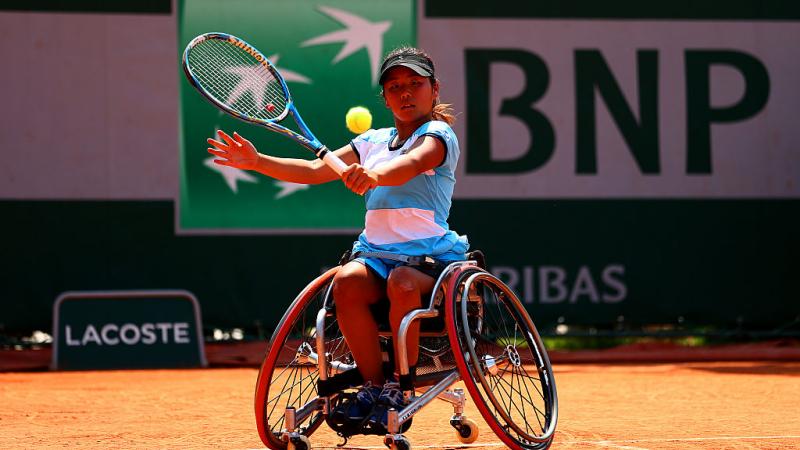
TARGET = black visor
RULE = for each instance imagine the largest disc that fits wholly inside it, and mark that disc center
(422, 66)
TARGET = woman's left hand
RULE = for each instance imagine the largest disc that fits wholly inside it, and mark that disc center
(359, 179)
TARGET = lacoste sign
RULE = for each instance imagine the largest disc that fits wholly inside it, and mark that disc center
(127, 329)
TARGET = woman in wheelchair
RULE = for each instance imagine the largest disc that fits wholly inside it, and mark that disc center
(329, 343)
(409, 171)
(407, 175)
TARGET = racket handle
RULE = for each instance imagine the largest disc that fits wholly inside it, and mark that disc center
(333, 161)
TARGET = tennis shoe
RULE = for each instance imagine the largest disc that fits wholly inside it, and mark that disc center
(366, 398)
(391, 396)
(354, 407)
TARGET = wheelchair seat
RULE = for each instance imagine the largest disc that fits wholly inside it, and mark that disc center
(434, 325)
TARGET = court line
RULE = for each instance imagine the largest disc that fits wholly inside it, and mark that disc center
(604, 443)
(414, 446)
(687, 439)
(614, 445)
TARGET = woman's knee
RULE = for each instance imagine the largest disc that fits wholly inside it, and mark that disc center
(403, 285)
(353, 285)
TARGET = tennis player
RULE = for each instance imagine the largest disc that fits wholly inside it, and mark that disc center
(407, 175)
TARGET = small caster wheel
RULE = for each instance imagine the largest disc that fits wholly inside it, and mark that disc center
(467, 432)
(299, 442)
(397, 442)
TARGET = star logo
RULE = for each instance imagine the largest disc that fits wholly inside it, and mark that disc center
(231, 174)
(358, 33)
(288, 188)
(252, 79)
(289, 75)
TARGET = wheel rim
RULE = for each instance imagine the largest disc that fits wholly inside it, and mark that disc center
(288, 377)
(504, 354)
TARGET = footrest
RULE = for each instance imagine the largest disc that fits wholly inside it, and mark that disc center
(340, 381)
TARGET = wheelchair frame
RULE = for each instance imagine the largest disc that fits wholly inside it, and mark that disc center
(463, 276)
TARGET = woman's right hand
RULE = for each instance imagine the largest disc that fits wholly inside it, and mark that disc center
(234, 151)
(359, 179)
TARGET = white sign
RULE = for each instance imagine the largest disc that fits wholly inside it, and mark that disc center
(708, 108)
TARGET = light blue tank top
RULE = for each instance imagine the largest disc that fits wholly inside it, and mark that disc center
(411, 219)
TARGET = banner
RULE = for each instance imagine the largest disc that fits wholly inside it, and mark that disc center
(329, 53)
(127, 329)
(628, 163)
(558, 107)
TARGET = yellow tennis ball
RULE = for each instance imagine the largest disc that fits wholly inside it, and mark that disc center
(358, 119)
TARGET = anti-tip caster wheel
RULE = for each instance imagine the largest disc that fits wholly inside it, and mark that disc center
(397, 442)
(299, 442)
(467, 430)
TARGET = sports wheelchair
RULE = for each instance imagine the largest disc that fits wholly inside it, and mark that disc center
(474, 329)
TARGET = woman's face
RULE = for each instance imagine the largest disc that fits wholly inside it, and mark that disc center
(410, 96)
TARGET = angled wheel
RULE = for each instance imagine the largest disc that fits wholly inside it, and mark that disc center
(289, 373)
(397, 442)
(501, 359)
(299, 443)
(468, 431)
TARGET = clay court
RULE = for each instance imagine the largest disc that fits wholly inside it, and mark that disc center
(692, 405)
(613, 187)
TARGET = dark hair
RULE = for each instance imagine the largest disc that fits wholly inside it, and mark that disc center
(441, 111)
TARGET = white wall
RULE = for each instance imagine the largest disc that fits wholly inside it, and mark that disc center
(90, 106)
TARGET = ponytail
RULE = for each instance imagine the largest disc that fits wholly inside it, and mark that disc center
(443, 112)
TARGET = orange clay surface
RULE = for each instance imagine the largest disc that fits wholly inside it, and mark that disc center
(727, 405)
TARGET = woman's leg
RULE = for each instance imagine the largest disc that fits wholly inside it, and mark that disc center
(354, 289)
(405, 287)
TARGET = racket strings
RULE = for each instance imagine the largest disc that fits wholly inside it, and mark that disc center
(251, 77)
(247, 76)
(237, 79)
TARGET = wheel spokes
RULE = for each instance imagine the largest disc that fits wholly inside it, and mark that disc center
(293, 377)
(502, 349)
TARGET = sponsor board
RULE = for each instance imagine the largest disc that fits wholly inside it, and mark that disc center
(330, 64)
(570, 108)
(127, 329)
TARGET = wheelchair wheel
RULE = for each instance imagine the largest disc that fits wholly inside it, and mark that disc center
(501, 359)
(288, 376)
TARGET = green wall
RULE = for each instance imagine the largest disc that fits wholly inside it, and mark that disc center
(725, 263)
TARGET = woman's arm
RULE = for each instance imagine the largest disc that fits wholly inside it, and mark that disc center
(426, 154)
(240, 153)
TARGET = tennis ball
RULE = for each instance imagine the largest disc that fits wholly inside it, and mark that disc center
(358, 119)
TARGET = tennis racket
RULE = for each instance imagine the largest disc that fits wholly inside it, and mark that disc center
(241, 81)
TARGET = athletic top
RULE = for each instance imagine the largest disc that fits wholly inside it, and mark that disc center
(410, 219)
